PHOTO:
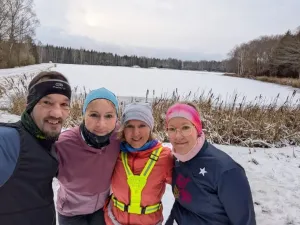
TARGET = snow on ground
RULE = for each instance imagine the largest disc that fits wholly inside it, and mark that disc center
(274, 176)
(8, 118)
(26, 69)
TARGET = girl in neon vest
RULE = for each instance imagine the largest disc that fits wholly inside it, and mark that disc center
(142, 170)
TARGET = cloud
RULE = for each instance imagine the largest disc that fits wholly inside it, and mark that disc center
(59, 37)
(200, 27)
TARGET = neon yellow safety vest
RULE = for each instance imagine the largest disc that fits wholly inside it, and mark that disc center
(136, 184)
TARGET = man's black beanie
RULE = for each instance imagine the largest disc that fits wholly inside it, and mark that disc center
(45, 83)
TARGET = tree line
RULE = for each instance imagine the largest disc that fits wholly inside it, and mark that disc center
(277, 55)
(89, 57)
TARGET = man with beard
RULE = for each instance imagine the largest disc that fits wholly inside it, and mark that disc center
(28, 162)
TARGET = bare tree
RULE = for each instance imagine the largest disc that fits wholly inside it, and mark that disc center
(74, 56)
(21, 23)
(3, 19)
(22, 20)
(252, 58)
(81, 54)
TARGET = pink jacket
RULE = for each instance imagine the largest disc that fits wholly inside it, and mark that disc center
(84, 173)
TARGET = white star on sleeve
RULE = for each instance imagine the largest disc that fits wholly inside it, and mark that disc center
(202, 171)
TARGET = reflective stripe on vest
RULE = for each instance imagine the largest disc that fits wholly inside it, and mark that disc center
(136, 184)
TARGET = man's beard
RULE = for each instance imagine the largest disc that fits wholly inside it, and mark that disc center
(52, 134)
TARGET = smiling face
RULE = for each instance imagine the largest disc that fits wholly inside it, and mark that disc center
(100, 117)
(182, 134)
(136, 133)
(50, 113)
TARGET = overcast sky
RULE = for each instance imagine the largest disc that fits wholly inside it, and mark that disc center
(185, 29)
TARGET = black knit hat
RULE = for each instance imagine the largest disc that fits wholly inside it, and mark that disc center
(45, 83)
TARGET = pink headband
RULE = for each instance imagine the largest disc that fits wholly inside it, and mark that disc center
(187, 112)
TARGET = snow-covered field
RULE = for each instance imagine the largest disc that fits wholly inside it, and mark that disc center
(126, 81)
(274, 174)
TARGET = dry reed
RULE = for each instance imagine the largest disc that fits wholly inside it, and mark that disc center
(251, 124)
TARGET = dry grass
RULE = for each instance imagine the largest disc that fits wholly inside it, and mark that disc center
(252, 124)
(283, 81)
(76, 107)
(293, 82)
(2, 90)
(245, 124)
(16, 91)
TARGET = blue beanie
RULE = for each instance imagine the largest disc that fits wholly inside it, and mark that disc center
(101, 93)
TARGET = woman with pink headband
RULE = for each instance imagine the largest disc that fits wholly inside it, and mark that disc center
(208, 185)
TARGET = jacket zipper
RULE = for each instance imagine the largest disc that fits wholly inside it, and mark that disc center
(96, 202)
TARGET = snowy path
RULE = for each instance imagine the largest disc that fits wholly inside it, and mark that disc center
(26, 69)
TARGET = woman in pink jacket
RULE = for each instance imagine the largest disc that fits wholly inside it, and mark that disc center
(86, 153)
